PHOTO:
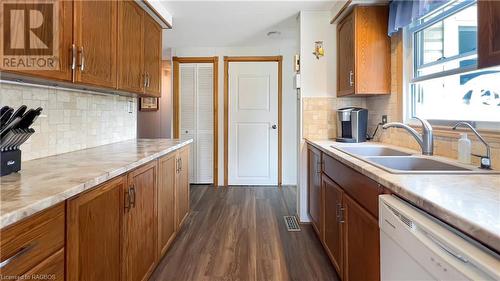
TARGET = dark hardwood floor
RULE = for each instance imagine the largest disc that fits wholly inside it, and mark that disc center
(238, 233)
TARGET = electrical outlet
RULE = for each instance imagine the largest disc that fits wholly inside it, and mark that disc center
(384, 119)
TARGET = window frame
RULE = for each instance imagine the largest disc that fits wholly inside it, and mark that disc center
(409, 69)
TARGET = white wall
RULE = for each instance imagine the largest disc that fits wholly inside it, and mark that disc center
(318, 80)
(290, 135)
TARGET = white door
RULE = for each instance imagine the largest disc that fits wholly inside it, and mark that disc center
(196, 118)
(253, 121)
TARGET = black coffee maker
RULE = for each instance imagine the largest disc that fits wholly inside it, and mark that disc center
(351, 124)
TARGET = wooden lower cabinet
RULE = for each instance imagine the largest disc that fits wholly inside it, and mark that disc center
(140, 223)
(52, 268)
(182, 187)
(94, 223)
(167, 175)
(314, 187)
(362, 243)
(333, 222)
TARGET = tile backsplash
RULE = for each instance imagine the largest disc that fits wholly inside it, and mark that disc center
(71, 120)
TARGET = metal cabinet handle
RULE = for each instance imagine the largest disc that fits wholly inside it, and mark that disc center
(82, 58)
(180, 161)
(144, 83)
(351, 76)
(127, 200)
(73, 56)
(132, 197)
(341, 218)
(18, 254)
(320, 164)
(148, 79)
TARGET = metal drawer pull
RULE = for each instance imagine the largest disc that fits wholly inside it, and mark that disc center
(132, 197)
(18, 254)
(73, 56)
(351, 74)
(82, 59)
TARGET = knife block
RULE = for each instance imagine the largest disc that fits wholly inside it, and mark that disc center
(10, 162)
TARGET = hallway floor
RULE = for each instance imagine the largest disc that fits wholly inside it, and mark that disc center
(238, 233)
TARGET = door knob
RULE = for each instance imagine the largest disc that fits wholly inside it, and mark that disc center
(274, 127)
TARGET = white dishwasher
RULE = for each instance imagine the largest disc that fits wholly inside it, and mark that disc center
(416, 246)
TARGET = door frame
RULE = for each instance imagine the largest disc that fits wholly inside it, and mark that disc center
(227, 60)
(176, 104)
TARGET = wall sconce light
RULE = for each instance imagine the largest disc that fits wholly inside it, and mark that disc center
(318, 49)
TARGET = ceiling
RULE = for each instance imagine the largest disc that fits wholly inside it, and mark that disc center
(234, 23)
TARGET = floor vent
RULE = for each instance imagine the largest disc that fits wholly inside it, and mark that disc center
(291, 223)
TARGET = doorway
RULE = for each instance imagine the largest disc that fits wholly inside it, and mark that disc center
(195, 113)
(252, 120)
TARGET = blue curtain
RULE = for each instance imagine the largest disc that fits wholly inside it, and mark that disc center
(403, 12)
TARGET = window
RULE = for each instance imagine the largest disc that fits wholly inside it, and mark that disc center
(445, 84)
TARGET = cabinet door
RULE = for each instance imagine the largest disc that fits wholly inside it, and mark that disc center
(362, 246)
(333, 223)
(140, 224)
(314, 188)
(63, 59)
(152, 56)
(166, 201)
(94, 225)
(182, 195)
(345, 56)
(95, 41)
(52, 266)
(130, 47)
(488, 17)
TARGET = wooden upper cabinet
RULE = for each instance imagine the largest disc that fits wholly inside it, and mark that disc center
(182, 186)
(167, 175)
(131, 76)
(140, 223)
(94, 224)
(95, 42)
(314, 188)
(152, 56)
(345, 59)
(362, 248)
(488, 16)
(364, 55)
(64, 57)
(333, 222)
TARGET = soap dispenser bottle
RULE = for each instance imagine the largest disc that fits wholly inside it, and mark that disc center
(464, 149)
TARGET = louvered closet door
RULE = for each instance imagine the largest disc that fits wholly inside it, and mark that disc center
(196, 118)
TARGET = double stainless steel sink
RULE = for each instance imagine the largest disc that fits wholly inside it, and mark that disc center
(401, 162)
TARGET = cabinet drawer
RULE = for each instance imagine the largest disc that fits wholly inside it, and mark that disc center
(30, 241)
(51, 268)
(361, 188)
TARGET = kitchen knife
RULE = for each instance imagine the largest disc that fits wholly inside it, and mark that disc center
(29, 117)
(3, 109)
(6, 115)
(9, 126)
(18, 113)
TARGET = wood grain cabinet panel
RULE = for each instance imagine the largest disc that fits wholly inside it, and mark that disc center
(333, 222)
(152, 56)
(94, 224)
(167, 175)
(488, 16)
(362, 246)
(182, 189)
(130, 47)
(95, 42)
(314, 188)
(52, 268)
(28, 242)
(64, 57)
(140, 223)
(364, 55)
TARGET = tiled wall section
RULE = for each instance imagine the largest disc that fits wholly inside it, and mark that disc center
(319, 120)
(71, 120)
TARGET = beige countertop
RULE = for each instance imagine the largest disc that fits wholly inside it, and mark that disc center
(470, 203)
(44, 182)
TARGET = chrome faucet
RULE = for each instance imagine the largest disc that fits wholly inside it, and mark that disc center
(426, 141)
(485, 160)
